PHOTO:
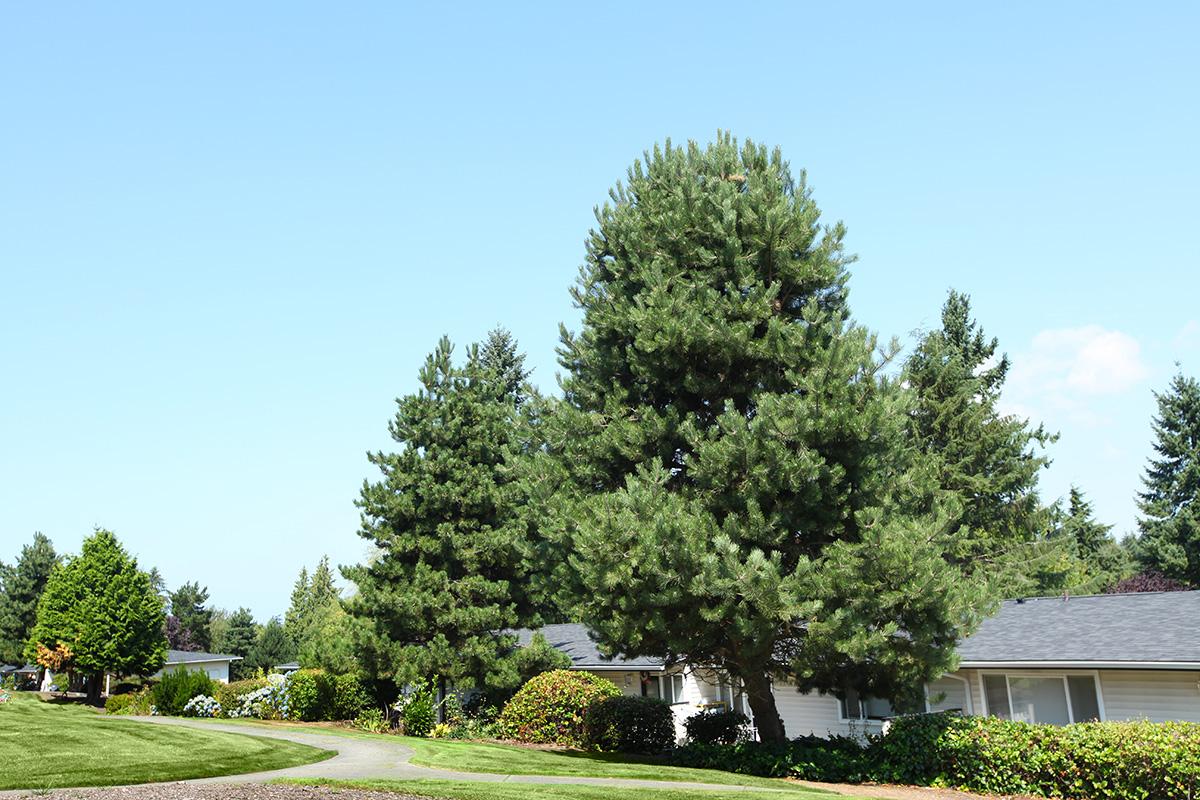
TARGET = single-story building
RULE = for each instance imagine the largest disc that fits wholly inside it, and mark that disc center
(1052, 659)
(215, 665)
(289, 667)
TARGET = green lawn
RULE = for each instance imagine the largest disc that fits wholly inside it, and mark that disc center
(471, 790)
(51, 745)
(504, 759)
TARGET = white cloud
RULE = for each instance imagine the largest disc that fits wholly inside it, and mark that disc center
(1066, 371)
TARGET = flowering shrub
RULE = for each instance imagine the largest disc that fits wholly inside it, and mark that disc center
(551, 707)
(267, 702)
(4, 697)
(202, 706)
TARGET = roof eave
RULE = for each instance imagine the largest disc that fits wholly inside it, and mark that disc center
(1060, 664)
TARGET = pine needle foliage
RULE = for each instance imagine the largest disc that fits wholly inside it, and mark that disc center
(729, 478)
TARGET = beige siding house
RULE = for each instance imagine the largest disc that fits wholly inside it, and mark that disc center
(1054, 660)
(215, 665)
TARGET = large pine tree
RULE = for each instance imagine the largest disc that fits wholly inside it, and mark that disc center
(448, 577)
(105, 610)
(21, 586)
(1170, 511)
(728, 476)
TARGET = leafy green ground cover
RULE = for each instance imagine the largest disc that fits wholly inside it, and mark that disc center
(47, 745)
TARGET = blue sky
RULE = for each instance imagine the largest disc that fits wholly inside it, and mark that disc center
(230, 233)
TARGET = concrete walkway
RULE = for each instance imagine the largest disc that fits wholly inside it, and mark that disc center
(385, 760)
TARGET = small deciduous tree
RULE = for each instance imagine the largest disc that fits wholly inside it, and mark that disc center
(105, 611)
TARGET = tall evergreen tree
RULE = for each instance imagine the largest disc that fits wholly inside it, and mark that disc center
(192, 618)
(300, 608)
(104, 609)
(21, 586)
(1079, 554)
(238, 639)
(451, 563)
(728, 476)
(988, 459)
(1170, 514)
(499, 355)
(273, 647)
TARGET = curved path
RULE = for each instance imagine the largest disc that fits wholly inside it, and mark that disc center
(385, 760)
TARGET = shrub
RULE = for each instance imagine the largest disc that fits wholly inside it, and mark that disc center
(311, 694)
(177, 687)
(836, 759)
(269, 701)
(202, 706)
(349, 697)
(550, 708)
(418, 709)
(372, 720)
(1093, 760)
(716, 726)
(230, 695)
(629, 725)
(138, 703)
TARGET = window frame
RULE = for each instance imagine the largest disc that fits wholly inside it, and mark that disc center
(861, 710)
(1045, 674)
(670, 695)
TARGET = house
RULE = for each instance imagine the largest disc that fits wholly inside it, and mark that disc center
(285, 669)
(216, 666)
(1053, 659)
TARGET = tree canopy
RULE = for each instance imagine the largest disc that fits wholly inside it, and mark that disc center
(446, 580)
(1170, 514)
(21, 586)
(105, 610)
(188, 625)
(730, 478)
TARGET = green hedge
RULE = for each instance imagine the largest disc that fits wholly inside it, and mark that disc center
(716, 726)
(1086, 761)
(629, 725)
(837, 759)
(550, 708)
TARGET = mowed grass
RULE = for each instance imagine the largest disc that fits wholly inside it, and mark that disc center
(53, 745)
(504, 759)
(515, 790)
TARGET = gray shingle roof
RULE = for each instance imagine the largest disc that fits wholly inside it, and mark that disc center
(574, 640)
(188, 657)
(1151, 627)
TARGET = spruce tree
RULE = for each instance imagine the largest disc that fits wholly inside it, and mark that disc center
(21, 586)
(447, 579)
(988, 459)
(273, 647)
(238, 639)
(1170, 514)
(728, 477)
(299, 609)
(192, 618)
(105, 610)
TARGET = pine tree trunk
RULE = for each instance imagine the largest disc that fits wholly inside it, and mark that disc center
(762, 705)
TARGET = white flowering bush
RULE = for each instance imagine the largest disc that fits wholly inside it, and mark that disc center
(269, 702)
(4, 696)
(202, 706)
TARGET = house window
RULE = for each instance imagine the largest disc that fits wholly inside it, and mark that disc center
(671, 688)
(855, 706)
(1050, 699)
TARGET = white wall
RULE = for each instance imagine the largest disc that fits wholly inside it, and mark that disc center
(217, 670)
(1156, 695)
